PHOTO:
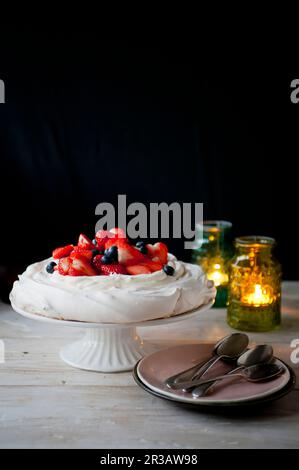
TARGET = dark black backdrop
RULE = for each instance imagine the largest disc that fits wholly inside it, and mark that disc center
(87, 119)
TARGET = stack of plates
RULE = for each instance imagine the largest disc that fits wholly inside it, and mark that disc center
(151, 372)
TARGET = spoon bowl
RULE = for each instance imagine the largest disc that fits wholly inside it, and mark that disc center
(232, 346)
(258, 355)
(259, 372)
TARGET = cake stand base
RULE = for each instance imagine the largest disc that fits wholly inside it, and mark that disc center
(105, 350)
(108, 347)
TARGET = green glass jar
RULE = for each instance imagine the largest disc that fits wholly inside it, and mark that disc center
(213, 254)
(254, 293)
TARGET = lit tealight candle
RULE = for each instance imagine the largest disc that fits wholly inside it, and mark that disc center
(254, 285)
(258, 297)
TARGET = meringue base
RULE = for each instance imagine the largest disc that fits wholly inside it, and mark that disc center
(118, 299)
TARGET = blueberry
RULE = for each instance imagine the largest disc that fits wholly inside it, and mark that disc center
(95, 252)
(141, 247)
(94, 242)
(50, 267)
(168, 270)
(106, 260)
(112, 253)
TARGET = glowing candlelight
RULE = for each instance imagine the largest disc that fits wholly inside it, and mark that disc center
(254, 285)
(217, 275)
(258, 297)
(213, 252)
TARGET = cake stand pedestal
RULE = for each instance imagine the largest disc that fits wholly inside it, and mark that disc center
(104, 350)
(107, 347)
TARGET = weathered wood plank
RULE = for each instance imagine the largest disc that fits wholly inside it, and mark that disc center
(45, 403)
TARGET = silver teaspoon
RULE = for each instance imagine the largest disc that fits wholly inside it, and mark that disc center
(228, 348)
(260, 354)
(254, 373)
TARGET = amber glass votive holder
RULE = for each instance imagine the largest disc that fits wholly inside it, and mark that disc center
(254, 291)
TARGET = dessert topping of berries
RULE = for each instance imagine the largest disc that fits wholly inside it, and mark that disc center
(62, 251)
(158, 252)
(118, 232)
(114, 268)
(102, 236)
(82, 266)
(85, 242)
(138, 269)
(82, 251)
(169, 270)
(106, 260)
(127, 254)
(141, 247)
(64, 265)
(50, 267)
(110, 252)
(97, 262)
(152, 265)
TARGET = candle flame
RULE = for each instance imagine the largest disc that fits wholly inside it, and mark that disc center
(258, 297)
(217, 275)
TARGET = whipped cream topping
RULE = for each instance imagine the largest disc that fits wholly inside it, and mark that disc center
(112, 299)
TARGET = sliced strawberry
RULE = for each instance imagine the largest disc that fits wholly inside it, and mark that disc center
(118, 232)
(158, 252)
(138, 269)
(64, 266)
(62, 251)
(82, 266)
(85, 242)
(102, 236)
(82, 251)
(111, 242)
(73, 272)
(127, 254)
(97, 262)
(113, 235)
(108, 269)
(152, 265)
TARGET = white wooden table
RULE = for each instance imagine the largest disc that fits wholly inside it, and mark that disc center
(46, 404)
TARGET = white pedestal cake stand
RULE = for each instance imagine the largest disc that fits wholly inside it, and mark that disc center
(107, 347)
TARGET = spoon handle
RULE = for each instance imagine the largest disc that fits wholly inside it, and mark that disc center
(188, 373)
(206, 368)
(187, 386)
(202, 390)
